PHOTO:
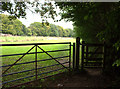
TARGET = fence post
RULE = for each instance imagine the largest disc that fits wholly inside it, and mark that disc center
(77, 53)
(70, 57)
(82, 59)
(36, 62)
(73, 56)
(86, 54)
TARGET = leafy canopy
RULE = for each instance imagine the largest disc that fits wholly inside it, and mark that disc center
(90, 19)
(18, 9)
(96, 22)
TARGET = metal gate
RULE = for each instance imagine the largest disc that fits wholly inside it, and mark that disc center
(92, 55)
(88, 55)
(16, 74)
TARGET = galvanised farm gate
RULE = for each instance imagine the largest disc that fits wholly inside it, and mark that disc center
(85, 55)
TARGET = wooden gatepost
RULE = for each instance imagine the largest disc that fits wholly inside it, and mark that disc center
(77, 53)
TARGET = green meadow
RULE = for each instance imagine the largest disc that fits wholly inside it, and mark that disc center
(6, 50)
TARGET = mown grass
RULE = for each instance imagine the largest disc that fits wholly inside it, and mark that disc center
(31, 57)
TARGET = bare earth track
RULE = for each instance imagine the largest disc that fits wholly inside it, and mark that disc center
(92, 79)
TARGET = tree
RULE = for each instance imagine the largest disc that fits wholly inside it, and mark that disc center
(53, 30)
(38, 29)
(18, 9)
(26, 31)
(89, 18)
(96, 22)
(68, 32)
(29, 33)
(14, 27)
(17, 26)
(60, 31)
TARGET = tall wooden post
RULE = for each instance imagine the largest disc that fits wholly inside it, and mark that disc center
(36, 62)
(82, 59)
(70, 56)
(74, 56)
(77, 53)
(86, 55)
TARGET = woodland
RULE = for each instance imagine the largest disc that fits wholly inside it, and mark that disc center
(15, 27)
(94, 22)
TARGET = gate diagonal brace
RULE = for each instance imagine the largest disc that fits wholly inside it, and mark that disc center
(18, 60)
(51, 57)
(94, 52)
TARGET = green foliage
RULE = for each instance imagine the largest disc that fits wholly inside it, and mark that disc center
(37, 29)
(18, 9)
(96, 22)
(46, 10)
(15, 27)
(89, 18)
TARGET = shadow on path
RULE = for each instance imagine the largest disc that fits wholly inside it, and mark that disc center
(92, 78)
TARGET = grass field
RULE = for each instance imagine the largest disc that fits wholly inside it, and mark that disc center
(34, 39)
(22, 49)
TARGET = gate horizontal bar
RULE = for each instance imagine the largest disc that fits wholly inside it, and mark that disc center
(51, 56)
(33, 44)
(32, 76)
(34, 61)
(88, 44)
(35, 80)
(33, 69)
(33, 53)
(93, 67)
(93, 63)
(93, 59)
(18, 60)
(51, 71)
(18, 79)
(94, 52)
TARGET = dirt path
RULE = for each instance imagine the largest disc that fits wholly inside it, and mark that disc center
(93, 78)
